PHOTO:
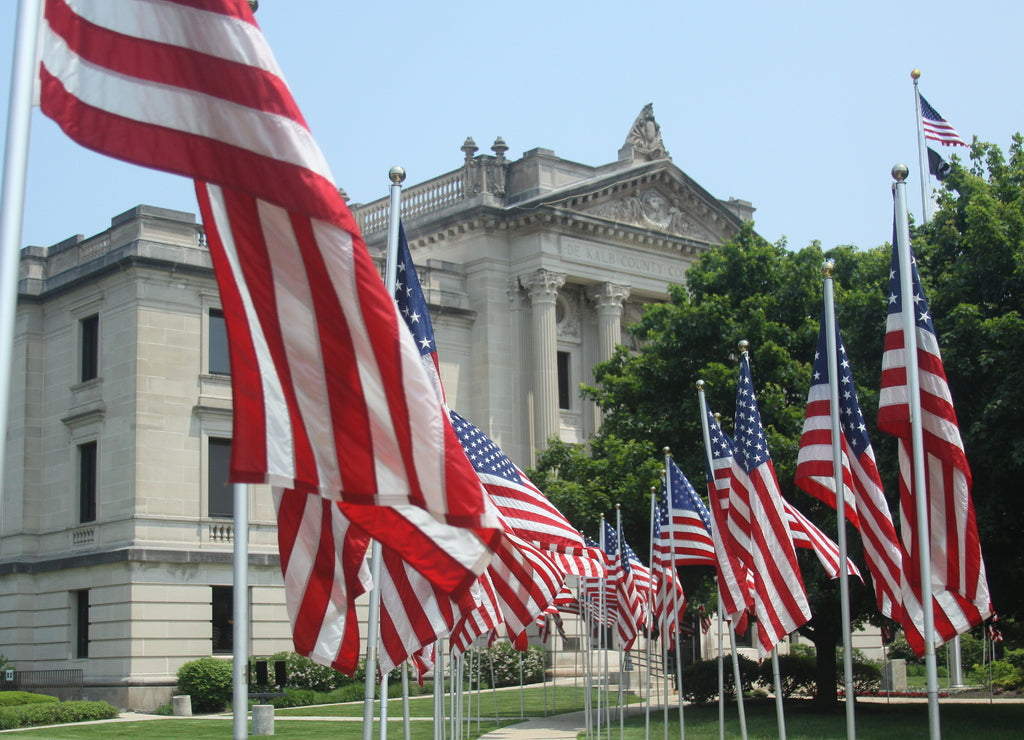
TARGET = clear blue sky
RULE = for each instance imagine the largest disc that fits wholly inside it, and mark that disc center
(799, 107)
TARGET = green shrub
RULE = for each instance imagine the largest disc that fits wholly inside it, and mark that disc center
(505, 660)
(797, 674)
(867, 676)
(17, 698)
(208, 681)
(700, 680)
(302, 673)
(1004, 675)
(54, 713)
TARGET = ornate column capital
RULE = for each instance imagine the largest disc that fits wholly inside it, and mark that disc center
(542, 285)
(608, 296)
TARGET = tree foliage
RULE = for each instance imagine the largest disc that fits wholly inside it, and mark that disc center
(972, 258)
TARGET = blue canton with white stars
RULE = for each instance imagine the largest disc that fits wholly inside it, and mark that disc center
(485, 456)
(721, 443)
(922, 316)
(684, 496)
(850, 416)
(751, 445)
(410, 300)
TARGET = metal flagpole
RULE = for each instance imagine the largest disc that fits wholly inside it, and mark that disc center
(619, 699)
(12, 192)
(920, 492)
(955, 667)
(439, 689)
(675, 604)
(382, 729)
(721, 670)
(405, 700)
(706, 431)
(922, 151)
(737, 677)
(780, 715)
(837, 472)
(240, 606)
(397, 177)
(664, 649)
(650, 628)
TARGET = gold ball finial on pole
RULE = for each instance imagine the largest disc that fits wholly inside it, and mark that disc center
(665, 450)
(700, 385)
(744, 345)
(397, 174)
(828, 267)
(915, 74)
(900, 172)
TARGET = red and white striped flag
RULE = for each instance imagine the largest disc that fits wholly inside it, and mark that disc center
(807, 535)
(329, 394)
(780, 600)
(865, 504)
(735, 582)
(685, 523)
(959, 587)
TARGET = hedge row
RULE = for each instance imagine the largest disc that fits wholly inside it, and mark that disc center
(17, 698)
(49, 713)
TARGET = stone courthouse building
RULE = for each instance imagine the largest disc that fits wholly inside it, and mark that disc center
(115, 527)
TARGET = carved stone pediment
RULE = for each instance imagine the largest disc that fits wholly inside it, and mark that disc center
(650, 207)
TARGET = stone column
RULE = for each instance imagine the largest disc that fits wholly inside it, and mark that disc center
(521, 448)
(542, 287)
(607, 299)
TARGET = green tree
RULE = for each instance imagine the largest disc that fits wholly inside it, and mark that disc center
(971, 256)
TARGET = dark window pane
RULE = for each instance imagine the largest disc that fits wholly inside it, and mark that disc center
(223, 605)
(220, 360)
(87, 482)
(222, 500)
(564, 395)
(90, 349)
(81, 624)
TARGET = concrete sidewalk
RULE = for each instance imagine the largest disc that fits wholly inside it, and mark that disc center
(556, 727)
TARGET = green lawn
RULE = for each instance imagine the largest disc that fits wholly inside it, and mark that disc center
(875, 721)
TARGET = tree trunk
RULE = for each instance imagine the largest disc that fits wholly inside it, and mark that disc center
(825, 644)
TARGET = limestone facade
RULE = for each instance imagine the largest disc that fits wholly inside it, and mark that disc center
(532, 268)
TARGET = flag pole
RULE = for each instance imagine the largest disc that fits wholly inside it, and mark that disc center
(837, 472)
(12, 193)
(647, 686)
(397, 177)
(240, 607)
(922, 151)
(619, 699)
(920, 492)
(706, 431)
(675, 603)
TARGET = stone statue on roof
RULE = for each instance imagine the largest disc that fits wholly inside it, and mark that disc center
(644, 139)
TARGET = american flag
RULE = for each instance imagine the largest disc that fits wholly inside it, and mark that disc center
(807, 535)
(938, 128)
(527, 511)
(667, 601)
(330, 398)
(959, 587)
(412, 304)
(865, 504)
(735, 581)
(685, 522)
(780, 601)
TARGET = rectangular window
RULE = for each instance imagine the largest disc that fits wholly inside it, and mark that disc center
(87, 482)
(220, 360)
(221, 496)
(81, 607)
(223, 608)
(90, 347)
(564, 384)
